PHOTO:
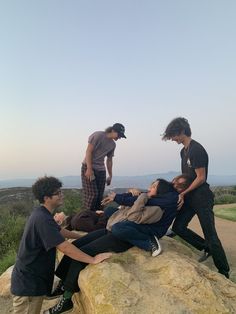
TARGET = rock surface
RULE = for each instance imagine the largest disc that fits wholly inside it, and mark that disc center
(136, 283)
(174, 282)
(5, 283)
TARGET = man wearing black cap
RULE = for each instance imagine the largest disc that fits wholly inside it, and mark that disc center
(101, 144)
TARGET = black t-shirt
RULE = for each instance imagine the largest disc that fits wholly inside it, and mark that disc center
(194, 157)
(33, 272)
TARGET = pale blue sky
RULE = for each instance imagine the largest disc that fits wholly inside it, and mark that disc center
(68, 68)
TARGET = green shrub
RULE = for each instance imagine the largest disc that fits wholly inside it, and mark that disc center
(225, 199)
(11, 230)
(7, 260)
(72, 201)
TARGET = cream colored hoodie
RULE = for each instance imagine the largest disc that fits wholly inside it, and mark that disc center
(138, 213)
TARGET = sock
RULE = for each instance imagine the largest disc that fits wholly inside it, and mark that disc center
(67, 294)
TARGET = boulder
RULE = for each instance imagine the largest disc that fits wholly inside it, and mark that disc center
(133, 282)
(5, 283)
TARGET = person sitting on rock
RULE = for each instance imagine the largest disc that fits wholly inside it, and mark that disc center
(103, 240)
(32, 276)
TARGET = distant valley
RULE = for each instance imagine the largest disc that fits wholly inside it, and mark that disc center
(142, 181)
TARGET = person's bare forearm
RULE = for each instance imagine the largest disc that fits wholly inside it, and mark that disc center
(109, 166)
(195, 184)
(88, 159)
(75, 253)
(69, 234)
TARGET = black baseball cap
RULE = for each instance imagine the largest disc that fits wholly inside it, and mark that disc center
(120, 129)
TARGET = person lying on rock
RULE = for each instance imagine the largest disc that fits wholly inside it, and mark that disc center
(130, 223)
(103, 240)
(33, 273)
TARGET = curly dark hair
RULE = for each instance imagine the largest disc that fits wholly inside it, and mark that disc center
(176, 127)
(45, 186)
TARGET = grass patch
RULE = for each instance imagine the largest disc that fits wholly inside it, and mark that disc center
(225, 212)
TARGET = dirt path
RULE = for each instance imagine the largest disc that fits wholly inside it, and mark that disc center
(227, 233)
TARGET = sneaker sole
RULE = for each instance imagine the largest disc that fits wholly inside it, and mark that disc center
(68, 311)
(157, 252)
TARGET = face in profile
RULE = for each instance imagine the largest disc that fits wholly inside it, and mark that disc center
(179, 184)
(178, 138)
(153, 188)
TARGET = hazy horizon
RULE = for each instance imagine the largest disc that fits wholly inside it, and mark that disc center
(71, 68)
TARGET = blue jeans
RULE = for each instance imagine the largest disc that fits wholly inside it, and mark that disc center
(137, 234)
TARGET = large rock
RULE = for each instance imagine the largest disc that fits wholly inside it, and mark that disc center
(5, 283)
(135, 283)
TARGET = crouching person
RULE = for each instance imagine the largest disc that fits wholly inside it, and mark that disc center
(33, 273)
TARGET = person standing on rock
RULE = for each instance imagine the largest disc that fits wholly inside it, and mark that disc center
(33, 273)
(197, 199)
(101, 144)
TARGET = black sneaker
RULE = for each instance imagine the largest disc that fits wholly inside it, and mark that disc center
(64, 306)
(155, 246)
(59, 290)
(225, 273)
(204, 257)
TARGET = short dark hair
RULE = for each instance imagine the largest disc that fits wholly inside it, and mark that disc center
(176, 127)
(45, 186)
(164, 187)
(186, 183)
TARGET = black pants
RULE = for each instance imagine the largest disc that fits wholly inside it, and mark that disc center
(211, 242)
(95, 242)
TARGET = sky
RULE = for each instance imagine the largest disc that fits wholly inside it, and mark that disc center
(69, 68)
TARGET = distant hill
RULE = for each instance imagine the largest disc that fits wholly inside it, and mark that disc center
(122, 181)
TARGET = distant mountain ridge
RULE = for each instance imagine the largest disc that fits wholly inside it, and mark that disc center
(141, 181)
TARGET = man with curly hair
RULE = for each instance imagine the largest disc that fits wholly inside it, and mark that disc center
(33, 273)
(197, 199)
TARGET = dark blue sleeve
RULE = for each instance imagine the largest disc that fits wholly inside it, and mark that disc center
(169, 199)
(125, 199)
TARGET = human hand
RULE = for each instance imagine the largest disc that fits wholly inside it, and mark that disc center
(89, 174)
(180, 201)
(108, 199)
(108, 180)
(134, 191)
(101, 257)
(99, 212)
(59, 217)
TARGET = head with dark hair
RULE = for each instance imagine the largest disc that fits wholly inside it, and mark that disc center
(181, 182)
(45, 186)
(116, 131)
(178, 126)
(160, 187)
